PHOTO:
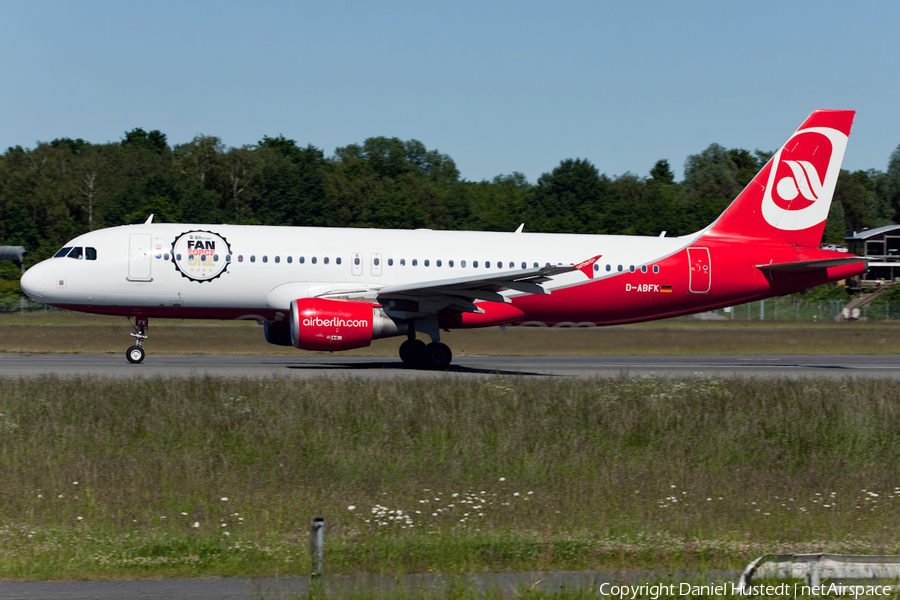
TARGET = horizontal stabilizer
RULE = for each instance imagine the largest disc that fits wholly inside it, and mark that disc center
(797, 267)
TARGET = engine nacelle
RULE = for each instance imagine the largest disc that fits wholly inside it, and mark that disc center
(318, 324)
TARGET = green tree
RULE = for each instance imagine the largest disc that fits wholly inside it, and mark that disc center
(292, 184)
(662, 173)
(569, 199)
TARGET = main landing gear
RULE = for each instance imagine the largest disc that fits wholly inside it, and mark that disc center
(135, 354)
(416, 354)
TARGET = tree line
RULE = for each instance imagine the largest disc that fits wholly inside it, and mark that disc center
(60, 189)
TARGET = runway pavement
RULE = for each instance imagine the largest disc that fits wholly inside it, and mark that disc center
(506, 585)
(305, 366)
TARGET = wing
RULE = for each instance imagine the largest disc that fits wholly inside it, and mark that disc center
(415, 300)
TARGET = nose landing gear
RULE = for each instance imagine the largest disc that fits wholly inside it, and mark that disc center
(135, 354)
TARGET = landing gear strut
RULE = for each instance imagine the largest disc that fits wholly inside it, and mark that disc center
(416, 354)
(135, 354)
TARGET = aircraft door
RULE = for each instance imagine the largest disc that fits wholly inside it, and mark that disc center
(701, 270)
(376, 264)
(139, 257)
(356, 266)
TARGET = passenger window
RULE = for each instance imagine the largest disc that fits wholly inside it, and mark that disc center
(596, 267)
(524, 265)
(240, 257)
(178, 256)
(77, 253)
(215, 258)
(474, 264)
(427, 263)
(609, 267)
(265, 258)
(656, 268)
(643, 268)
(620, 268)
(337, 260)
(512, 265)
(203, 258)
(462, 264)
(313, 260)
(325, 260)
(390, 262)
(438, 263)
(415, 262)
(631, 268)
(90, 253)
(402, 262)
(487, 264)
(253, 258)
(301, 260)
(450, 263)
(227, 257)
(277, 259)
(535, 265)
(166, 256)
(356, 261)
(290, 259)
(62, 252)
(377, 261)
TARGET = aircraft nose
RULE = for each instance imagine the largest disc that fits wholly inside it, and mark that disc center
(32, 282)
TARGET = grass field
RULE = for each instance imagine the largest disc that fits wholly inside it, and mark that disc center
(203, 476)
(64, 332)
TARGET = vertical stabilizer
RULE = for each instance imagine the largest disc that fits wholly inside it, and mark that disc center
(790, 197)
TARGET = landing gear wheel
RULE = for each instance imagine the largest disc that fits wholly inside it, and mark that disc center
(437, 356)
(412, 352)
(135, 354)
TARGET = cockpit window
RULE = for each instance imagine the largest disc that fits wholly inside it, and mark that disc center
(62, 252)
(77, 252)
(90, 253)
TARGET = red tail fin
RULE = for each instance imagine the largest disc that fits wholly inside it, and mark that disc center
(790, 197)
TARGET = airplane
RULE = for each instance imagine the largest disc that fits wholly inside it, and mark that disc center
(331, 289)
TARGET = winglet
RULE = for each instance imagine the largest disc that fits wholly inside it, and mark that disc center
(587, 267)
(149, 220)
(520, 228)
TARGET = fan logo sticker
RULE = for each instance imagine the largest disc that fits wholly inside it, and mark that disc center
(200, 255)
(802, 179)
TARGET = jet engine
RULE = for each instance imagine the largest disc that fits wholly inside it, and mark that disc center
(319, 324)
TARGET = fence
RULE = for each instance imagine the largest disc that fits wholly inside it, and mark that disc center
(795, 309)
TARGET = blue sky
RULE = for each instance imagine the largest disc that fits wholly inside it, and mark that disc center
(499, 86)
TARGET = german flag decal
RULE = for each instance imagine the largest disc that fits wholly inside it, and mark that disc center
(665, 289)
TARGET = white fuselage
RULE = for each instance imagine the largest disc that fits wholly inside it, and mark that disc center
(137, 266)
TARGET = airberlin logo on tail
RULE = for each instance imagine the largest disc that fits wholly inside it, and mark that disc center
(802, 179)
(805, 182)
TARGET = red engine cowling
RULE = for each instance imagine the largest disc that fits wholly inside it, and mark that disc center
(318, 324)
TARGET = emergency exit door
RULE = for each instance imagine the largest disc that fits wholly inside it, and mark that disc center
(700, 275)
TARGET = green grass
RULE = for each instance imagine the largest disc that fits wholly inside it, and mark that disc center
(204, 476)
